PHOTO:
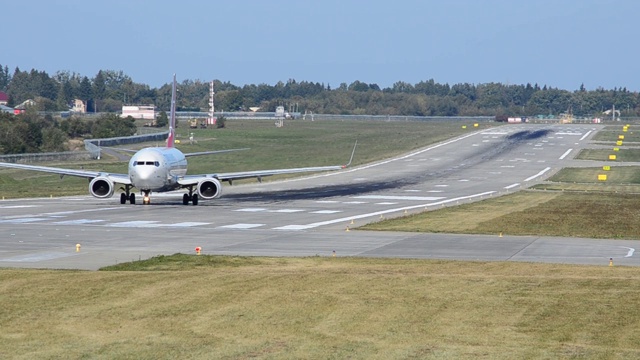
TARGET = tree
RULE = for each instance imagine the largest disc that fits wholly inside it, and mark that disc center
(162, 120)
(221, 122)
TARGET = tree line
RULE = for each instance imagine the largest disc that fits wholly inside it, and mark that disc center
(108, 90)
(31, 132)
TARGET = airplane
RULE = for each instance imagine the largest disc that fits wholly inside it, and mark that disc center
(161, 169)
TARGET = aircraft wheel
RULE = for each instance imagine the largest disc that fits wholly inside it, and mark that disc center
(132, 199)
(123, 198)
(185, 199)
(194, 200)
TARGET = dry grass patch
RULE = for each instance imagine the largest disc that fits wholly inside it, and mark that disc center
(532, 213)
(323, 308)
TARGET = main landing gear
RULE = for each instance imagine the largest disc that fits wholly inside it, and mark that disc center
(127, 195)
(190, 197)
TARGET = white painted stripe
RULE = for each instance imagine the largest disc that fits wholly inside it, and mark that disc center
(21, 220)
(18, 206)
(512, 186)
(538, 174)
(631, 251)
(251, 210)
(287, 211)
(292, 227)
(354, 202)
(78, 222)
(326, 202)
(240, 226)
(585, 135)
(435, 191)
(568, 133)
(565, 154)
(386, 203)
(139, 223)
(185, 224)
(391, 197)
(377, 213)
(325, 212)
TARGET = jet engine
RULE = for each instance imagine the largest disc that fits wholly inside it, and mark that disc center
(209, 188)
(101, 187)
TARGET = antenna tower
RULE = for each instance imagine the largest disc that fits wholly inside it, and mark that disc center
(211, 120)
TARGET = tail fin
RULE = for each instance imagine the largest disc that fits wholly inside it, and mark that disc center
(172, 117)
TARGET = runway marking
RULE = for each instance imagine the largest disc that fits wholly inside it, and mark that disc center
(287, 211)
(240, 226)
(325, 212)
(569, 133)
(137, 223)
(512, 186)
(184, 224)
(631, 251)
(78, 222)
(386, 203)
(585, 135)
(435, 191)
(392, 197)
(292, 227)
(565, 154)
(354, 202)
(251, 210)
(327, 202)
(538, 174)
(18, 206)
(413, 190)
(377, 213)
(442, 185)
(21, 220)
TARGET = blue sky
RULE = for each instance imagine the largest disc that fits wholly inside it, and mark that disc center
(558, 43)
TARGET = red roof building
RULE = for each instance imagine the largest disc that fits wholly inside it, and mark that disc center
(4, 98)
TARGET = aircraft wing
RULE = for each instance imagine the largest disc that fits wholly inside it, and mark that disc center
(190, 180)
(259, 174)
(116, 178)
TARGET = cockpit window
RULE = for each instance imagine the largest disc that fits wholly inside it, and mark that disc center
(154, 163)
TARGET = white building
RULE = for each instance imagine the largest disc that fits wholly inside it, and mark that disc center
(139, 111)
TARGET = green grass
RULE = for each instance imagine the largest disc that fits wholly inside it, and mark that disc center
(622, 155)
(297, 144)
(322, 308)
(610, 134)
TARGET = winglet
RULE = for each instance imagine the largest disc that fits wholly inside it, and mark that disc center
(352, 153)
(172, 117)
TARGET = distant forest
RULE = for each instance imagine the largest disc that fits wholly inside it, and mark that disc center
(108, 90)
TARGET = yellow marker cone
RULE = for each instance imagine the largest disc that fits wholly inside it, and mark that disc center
(77, 247)
(500, 234)
(610, 261)
(347, 229)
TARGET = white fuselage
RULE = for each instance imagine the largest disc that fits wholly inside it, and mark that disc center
(157, 169)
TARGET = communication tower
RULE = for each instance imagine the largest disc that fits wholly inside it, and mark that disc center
(211, 120)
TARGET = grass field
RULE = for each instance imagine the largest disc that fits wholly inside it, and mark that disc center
(201, 307)
(297, 144)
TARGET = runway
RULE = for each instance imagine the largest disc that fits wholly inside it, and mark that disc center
(309, 216)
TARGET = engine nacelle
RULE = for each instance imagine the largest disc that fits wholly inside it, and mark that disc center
(209, 188)
(101, 187)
